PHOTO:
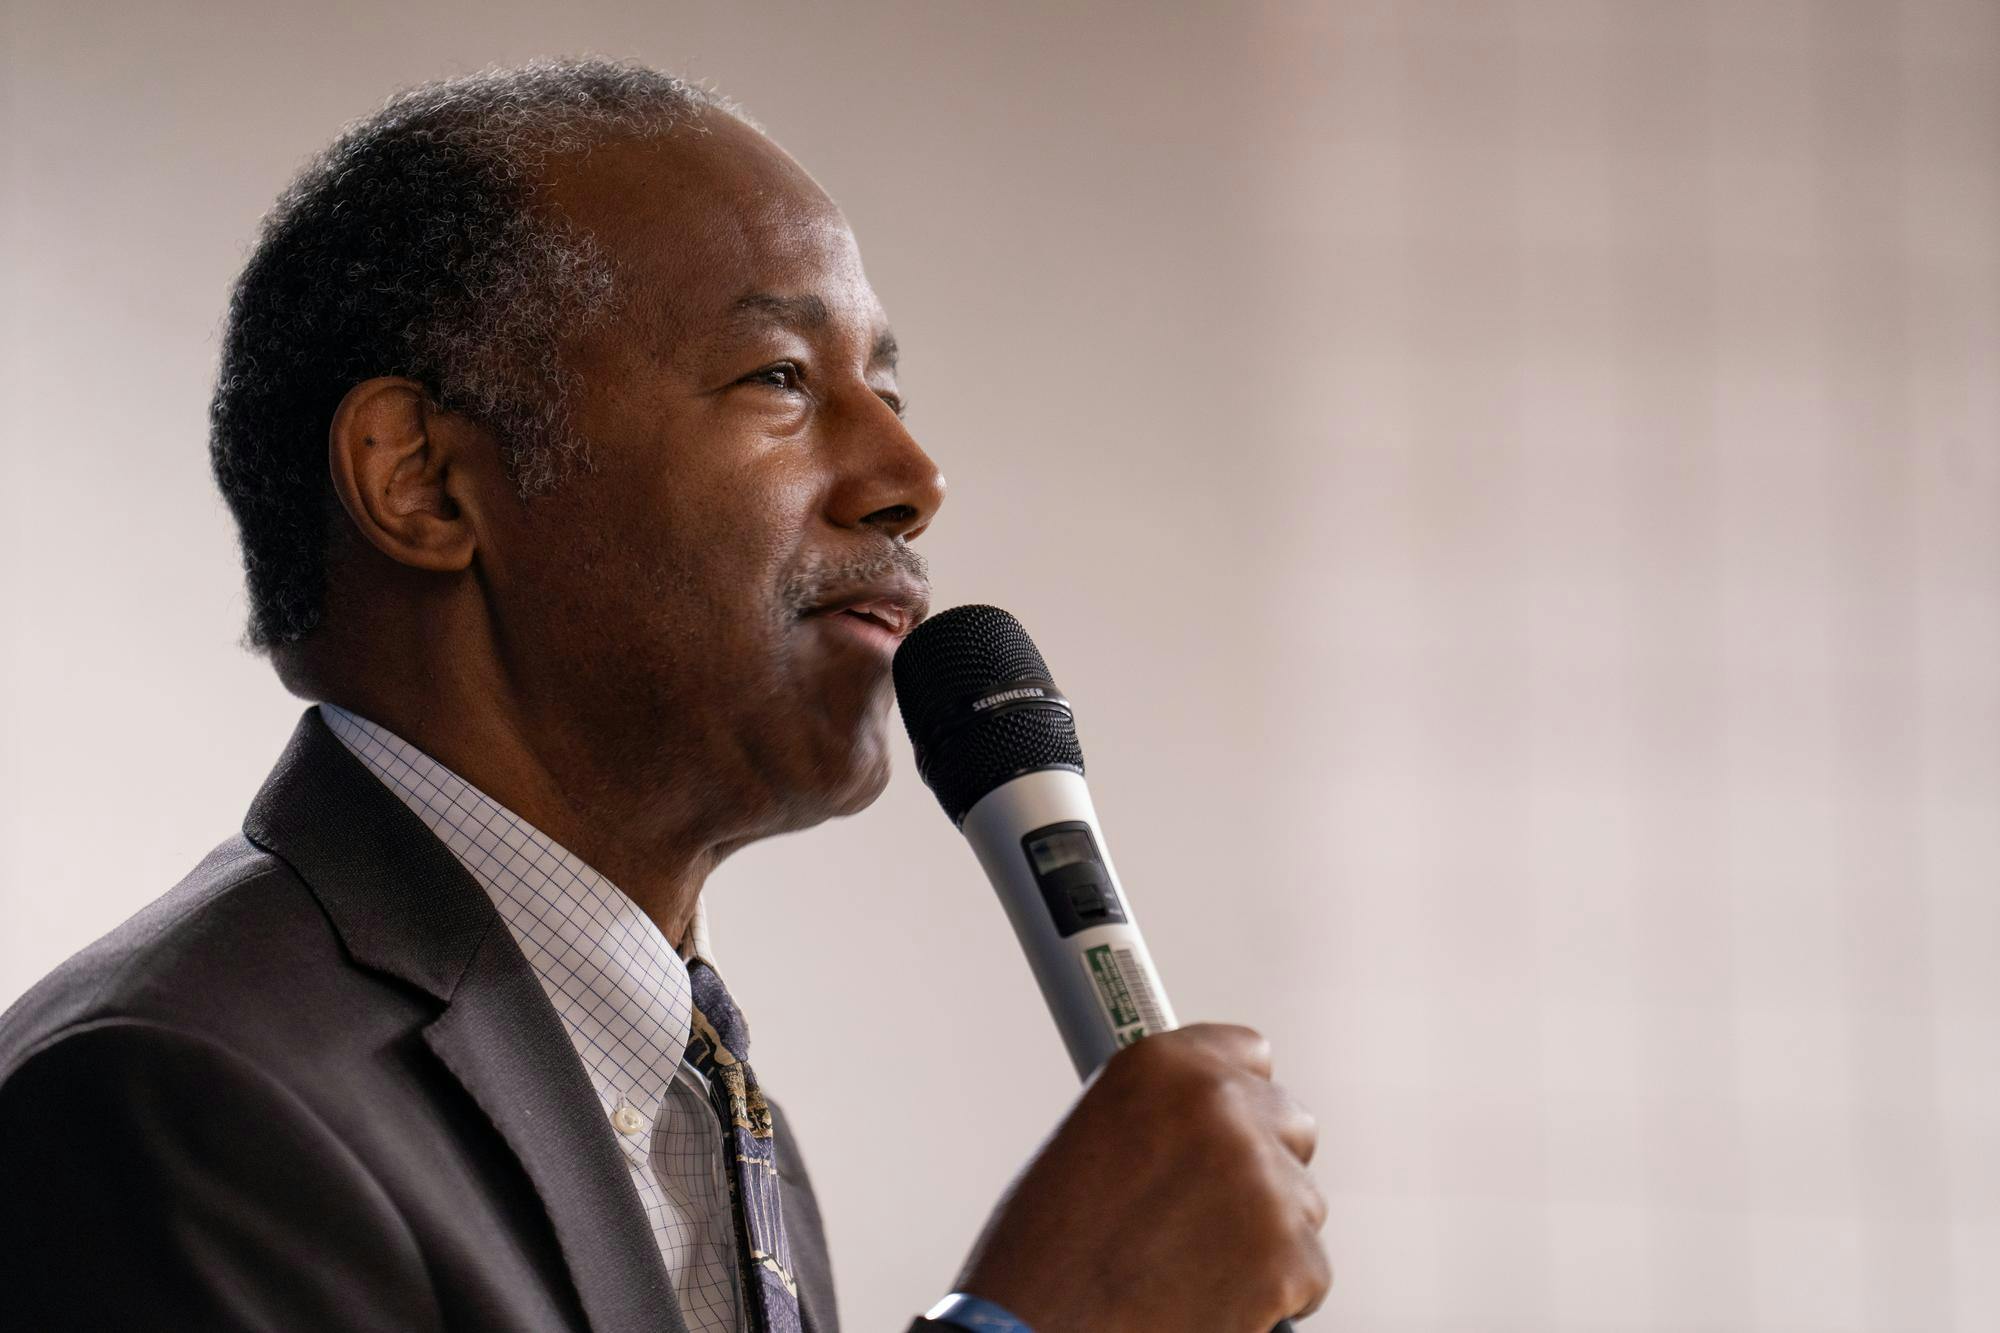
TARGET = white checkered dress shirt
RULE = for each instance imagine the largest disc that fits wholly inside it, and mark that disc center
(622, 994)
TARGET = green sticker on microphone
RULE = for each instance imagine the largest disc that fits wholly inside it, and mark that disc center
(1125, 992)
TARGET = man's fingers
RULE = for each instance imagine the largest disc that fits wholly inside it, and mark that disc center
(1318, 1283)
(1241, 1047)
(1295, 1126)
(1314, 1198)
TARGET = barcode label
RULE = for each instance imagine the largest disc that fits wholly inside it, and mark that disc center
(1140, 987)
(1125, 990)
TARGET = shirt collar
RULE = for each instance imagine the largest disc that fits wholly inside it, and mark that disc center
(620, 989)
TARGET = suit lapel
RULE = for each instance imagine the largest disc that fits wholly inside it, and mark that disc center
(503, 1041)
(405, 906)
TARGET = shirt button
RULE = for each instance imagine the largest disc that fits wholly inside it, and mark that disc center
(626, 1119)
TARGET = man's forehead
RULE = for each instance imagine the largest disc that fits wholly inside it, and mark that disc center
(713, 161)
(714, 221)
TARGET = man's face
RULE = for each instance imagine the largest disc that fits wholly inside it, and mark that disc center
(676, 610)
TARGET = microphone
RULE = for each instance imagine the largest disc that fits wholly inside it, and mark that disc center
(996, 742)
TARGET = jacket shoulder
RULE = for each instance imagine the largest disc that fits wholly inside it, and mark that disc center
(208, 946)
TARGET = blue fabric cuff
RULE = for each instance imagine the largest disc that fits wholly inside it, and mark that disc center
(975, 1315)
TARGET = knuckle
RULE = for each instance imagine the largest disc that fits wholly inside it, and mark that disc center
(1257, 1047)
(1305, 1128)
(1236, 1104)
(1306, 1281)
(1226, 1145)
(1320, 1281)
(1163, 1049)
(1235, 1042)
(1208, 1101)
(1273, 1194)
(1318, 1209)
(1184, 1068)
(1143, 1063)
(1250, 1048)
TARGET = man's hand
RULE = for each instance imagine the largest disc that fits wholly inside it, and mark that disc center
(1174, 1198)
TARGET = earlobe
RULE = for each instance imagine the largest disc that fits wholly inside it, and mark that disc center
(394, 474)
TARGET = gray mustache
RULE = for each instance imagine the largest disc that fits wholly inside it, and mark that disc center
(821, 578)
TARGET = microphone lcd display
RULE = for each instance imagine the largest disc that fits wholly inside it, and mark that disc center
(1072, 877)
(1060, 845)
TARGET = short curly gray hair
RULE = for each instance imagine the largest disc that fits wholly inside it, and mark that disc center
(411, 247)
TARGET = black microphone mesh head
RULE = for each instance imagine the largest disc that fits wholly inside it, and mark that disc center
(980, 705)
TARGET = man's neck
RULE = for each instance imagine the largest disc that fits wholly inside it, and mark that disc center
(590, 815)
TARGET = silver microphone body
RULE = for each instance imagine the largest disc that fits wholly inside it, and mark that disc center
(1038, 839)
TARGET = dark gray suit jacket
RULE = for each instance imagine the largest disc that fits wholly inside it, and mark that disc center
(317, 1086)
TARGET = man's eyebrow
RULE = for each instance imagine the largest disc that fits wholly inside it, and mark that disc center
(800, 312)
(806, 312)
(885, 351)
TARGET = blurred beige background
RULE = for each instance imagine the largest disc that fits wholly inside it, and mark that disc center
(1514, 489)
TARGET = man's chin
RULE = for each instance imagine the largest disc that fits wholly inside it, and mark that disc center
(857, 762)
(841, 781)
(869, 778)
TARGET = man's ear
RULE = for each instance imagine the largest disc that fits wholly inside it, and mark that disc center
(396, 475)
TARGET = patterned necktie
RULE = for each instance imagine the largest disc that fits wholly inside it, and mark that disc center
(720, 1048)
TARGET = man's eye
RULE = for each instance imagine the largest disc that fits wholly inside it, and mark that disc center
(784, 375)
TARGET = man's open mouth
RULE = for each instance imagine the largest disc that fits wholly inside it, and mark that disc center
(898, 620)
(881, 613)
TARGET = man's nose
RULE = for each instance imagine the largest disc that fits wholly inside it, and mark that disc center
(886, 481)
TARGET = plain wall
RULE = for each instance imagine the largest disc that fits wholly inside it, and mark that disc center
(1514, 490)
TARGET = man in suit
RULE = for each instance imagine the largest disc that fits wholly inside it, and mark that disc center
(563, 434)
